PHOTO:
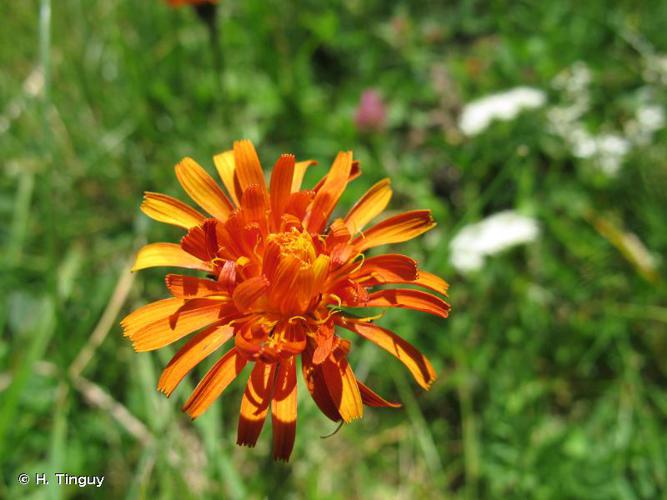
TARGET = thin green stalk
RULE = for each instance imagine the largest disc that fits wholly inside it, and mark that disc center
(49, 216)
(47, 195)
(57, 457)
(21, 212)
(139, 486)
(470, 439)
(420, 427)
(211, 431)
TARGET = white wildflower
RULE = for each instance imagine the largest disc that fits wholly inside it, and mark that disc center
(649, 118)
(574, 79)
(608, 149)
(490, 236)
(478, 115)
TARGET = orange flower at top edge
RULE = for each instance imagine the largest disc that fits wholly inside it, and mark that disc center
(178, 3)
(278, 280)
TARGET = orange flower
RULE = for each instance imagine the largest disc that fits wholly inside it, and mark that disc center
(178, 3)
(277, 283)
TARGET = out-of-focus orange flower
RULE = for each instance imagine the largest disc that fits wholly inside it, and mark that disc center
(178, 3)
(279, 283)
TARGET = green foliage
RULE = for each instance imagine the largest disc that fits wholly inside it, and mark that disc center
(552, 373)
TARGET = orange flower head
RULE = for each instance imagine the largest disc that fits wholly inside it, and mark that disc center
(179, 3)
(279, 282)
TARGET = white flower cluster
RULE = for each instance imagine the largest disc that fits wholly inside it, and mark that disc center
(649, 118)
(607, 149)
(474, 242)
(478, 115)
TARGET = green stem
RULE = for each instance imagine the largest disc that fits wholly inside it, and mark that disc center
(48, 212)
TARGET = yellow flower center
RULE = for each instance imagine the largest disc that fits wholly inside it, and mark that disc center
(297, 244)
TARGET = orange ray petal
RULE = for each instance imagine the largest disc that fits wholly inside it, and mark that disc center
(342, 386)
(397, 269)
(282, 280)
(191, 354)
(324, 342)
(227, 277)
(327, 197)
(298, 203)
(163, 208)
(195, 314)
(248, 340)
(214, 383)
(236, 239)
(297, 296)
(194, 243)
(426, 280)
(150, 313)
(369, 206)
(249, 292)
(416, 362)
(320, 269)
(355, 172)
(344, 272)
(294, 337)
(203, 189)
(254, 204)
(432, 282)
(409, 299)
(255, 403)
(387, 268)
(283, 410)
(248, 169)
(299, 171)
(226, 167)
(339, 234)
(281, 186)
(272, 257)
(189, 287)
(396, 229)
(168, 255)
(317, 387)
(371, 398)
(202, 241)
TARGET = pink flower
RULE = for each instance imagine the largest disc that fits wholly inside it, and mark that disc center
(371, 113)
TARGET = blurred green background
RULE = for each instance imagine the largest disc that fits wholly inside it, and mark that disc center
(552, 367)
